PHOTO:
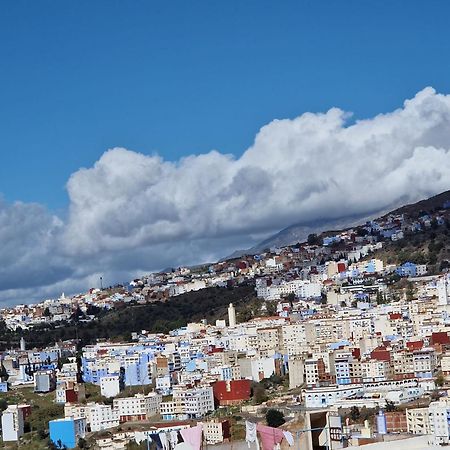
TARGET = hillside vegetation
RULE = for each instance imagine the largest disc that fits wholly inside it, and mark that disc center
(158, 317)
(430, 247)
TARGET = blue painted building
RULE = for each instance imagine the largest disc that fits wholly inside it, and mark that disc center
(91, 372)
(137, 374)
(66, 432)
(370, 267)
(408, 269)
(329, 240)
(3, 386)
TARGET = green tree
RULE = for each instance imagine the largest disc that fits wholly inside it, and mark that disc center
(354, 413)
(290, 297)
(3, 404)
(380, 299)
(3, 373)
(274, 418)
(313, 239)
(440, 379)
(82, 443)
(390, 406)
(259, 394)
(410, 291)
(271, 308)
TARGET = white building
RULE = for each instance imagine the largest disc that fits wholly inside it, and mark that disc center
(188, 403)
(110, 386)
(301, 288)
(439, 427)
(102, 417)
(327, 396)
(182, 288)
(424, 362)
(296, 372)
(294, 339)
(445, 365)
(12, 424)
(214, 431)
(139, 407)
(311, 371)
(432, 421)
(417, 421)
(163, 384)
(256, 368)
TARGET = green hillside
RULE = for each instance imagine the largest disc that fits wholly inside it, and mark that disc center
(158, 317)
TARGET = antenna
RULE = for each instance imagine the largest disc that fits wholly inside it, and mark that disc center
(101, 283)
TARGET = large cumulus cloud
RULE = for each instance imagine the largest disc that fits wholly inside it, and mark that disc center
(132, 212)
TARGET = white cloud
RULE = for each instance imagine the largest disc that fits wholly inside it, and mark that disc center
(131, 212)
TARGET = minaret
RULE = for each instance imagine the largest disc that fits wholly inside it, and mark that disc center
(442, 287)
(22, 344)
(231, 316)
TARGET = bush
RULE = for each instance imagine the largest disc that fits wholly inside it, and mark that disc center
(259, 394)
(274, 418)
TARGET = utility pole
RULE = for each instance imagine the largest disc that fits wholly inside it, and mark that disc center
(101, 283)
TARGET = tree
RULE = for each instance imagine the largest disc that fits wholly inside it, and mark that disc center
(290, 297)
(313, 239)
(82, 443)
(274, 418)
(3, 373)
(271, 308)
(354, 413)
(259, 394)
(3, 404)
(77, 315)
(410, 291)
(361, 232)
(390, 406)
(440, 379)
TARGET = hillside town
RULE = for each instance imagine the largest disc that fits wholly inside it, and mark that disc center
(347, 346)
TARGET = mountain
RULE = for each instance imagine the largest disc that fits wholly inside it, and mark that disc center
(414, 210)
(300, 231)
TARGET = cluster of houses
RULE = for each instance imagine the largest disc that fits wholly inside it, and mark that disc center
(304, 269)
(339, 336)
(339, 356)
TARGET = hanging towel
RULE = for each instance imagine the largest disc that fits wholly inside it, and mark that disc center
(164, 441)
(289, 437)
(270, 436)
(173, 439)
(193, 436)
(155, 438)
(250, 433)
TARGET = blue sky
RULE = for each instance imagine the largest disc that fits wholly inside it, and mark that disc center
(110, 110)
(184, 77)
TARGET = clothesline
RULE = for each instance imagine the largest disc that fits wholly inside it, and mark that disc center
(270, 437)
